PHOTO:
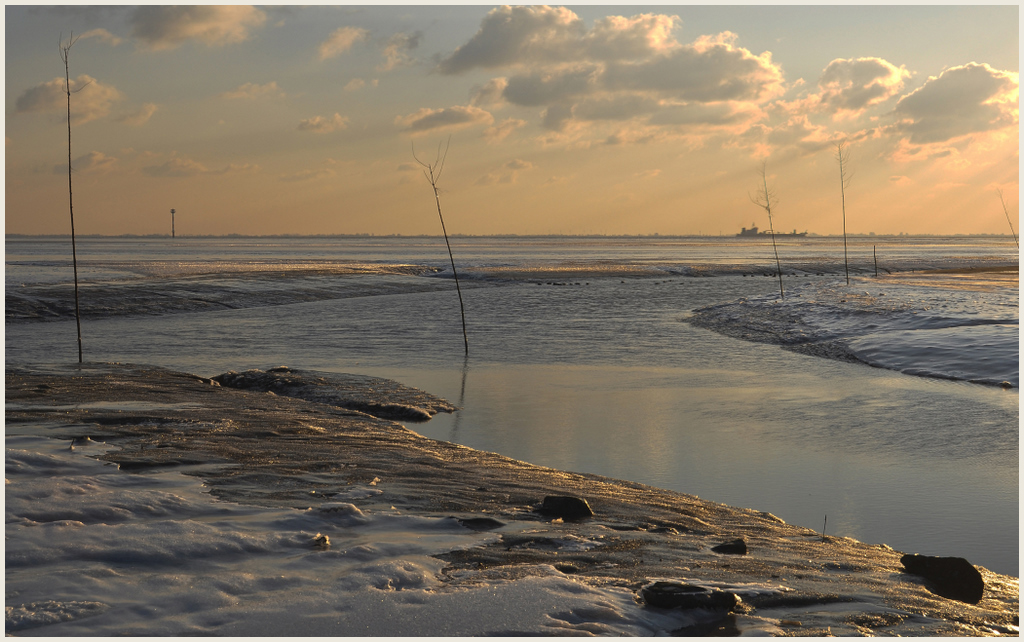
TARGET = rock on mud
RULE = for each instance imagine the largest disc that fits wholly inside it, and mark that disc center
(565, 507)
(952, 577)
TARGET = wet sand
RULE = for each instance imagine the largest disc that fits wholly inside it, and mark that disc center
(267, 449)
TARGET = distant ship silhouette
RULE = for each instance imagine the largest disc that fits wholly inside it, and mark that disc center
(753, 232)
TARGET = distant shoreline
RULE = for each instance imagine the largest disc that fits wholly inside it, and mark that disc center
(522, 236)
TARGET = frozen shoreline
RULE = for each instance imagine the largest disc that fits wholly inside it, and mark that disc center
(261, 452)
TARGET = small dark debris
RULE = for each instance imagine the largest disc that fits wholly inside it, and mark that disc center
(568, 569)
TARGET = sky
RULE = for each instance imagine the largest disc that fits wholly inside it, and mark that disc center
(577, 119)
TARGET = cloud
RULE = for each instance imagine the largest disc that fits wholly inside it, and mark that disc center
(490, 94)
(176, 168)
(341, 40)
(184, 167)
(102, 35)
(90, 99)
(166, 27)
(91, 163)
(358, 83)
(709, 70)
(507, 173)
(969, 99)
(519, 35)
(514, 36)
(252, 91)
(307, 175)
(709, 114)
(615, 107)
(853, 85)
(322, 125)
(544, 88)
(621, 69)
(501, 131)
(457, 117)
(396, 50)
(140, 117)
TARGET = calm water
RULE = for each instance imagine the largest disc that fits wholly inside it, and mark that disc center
(604, 376)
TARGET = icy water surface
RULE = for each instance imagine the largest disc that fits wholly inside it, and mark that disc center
(653, 360)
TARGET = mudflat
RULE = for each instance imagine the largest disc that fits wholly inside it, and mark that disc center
(268, 449)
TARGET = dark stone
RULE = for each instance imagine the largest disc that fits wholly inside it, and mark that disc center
(568, 569)
(951, 577)
(676, 595)
(566, 507)
(480, 523)
(734, 547)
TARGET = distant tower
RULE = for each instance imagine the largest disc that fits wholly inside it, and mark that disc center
(172, 223)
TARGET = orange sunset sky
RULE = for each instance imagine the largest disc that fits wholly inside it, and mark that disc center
(579, 119)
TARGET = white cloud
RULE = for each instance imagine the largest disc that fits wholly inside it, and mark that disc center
(709, 70)
(853, 85)
(91, 163)
(544, 88)
(513, 36)
(396, 50)
(322, 125)
(621, 69)
(90, 99)
(490, 94)
(103, 35)
(355, 84)
(507, 173)
(166, 27)
(178, 167)
(960, 101)
(140, 117)
(457, 117)
(519, 35)
(341, 40)
(501, 131)
(252, 91)
(307, 175)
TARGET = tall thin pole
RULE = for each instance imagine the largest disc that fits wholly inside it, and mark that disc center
(172, 223)
(64, 50)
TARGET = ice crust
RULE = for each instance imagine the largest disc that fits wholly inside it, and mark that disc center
(908, 324)
(93, 550)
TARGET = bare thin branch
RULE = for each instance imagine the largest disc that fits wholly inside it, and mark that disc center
(764, 198)
(843, 156)
(65, 51)
(432, 172)
(1007, 212)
